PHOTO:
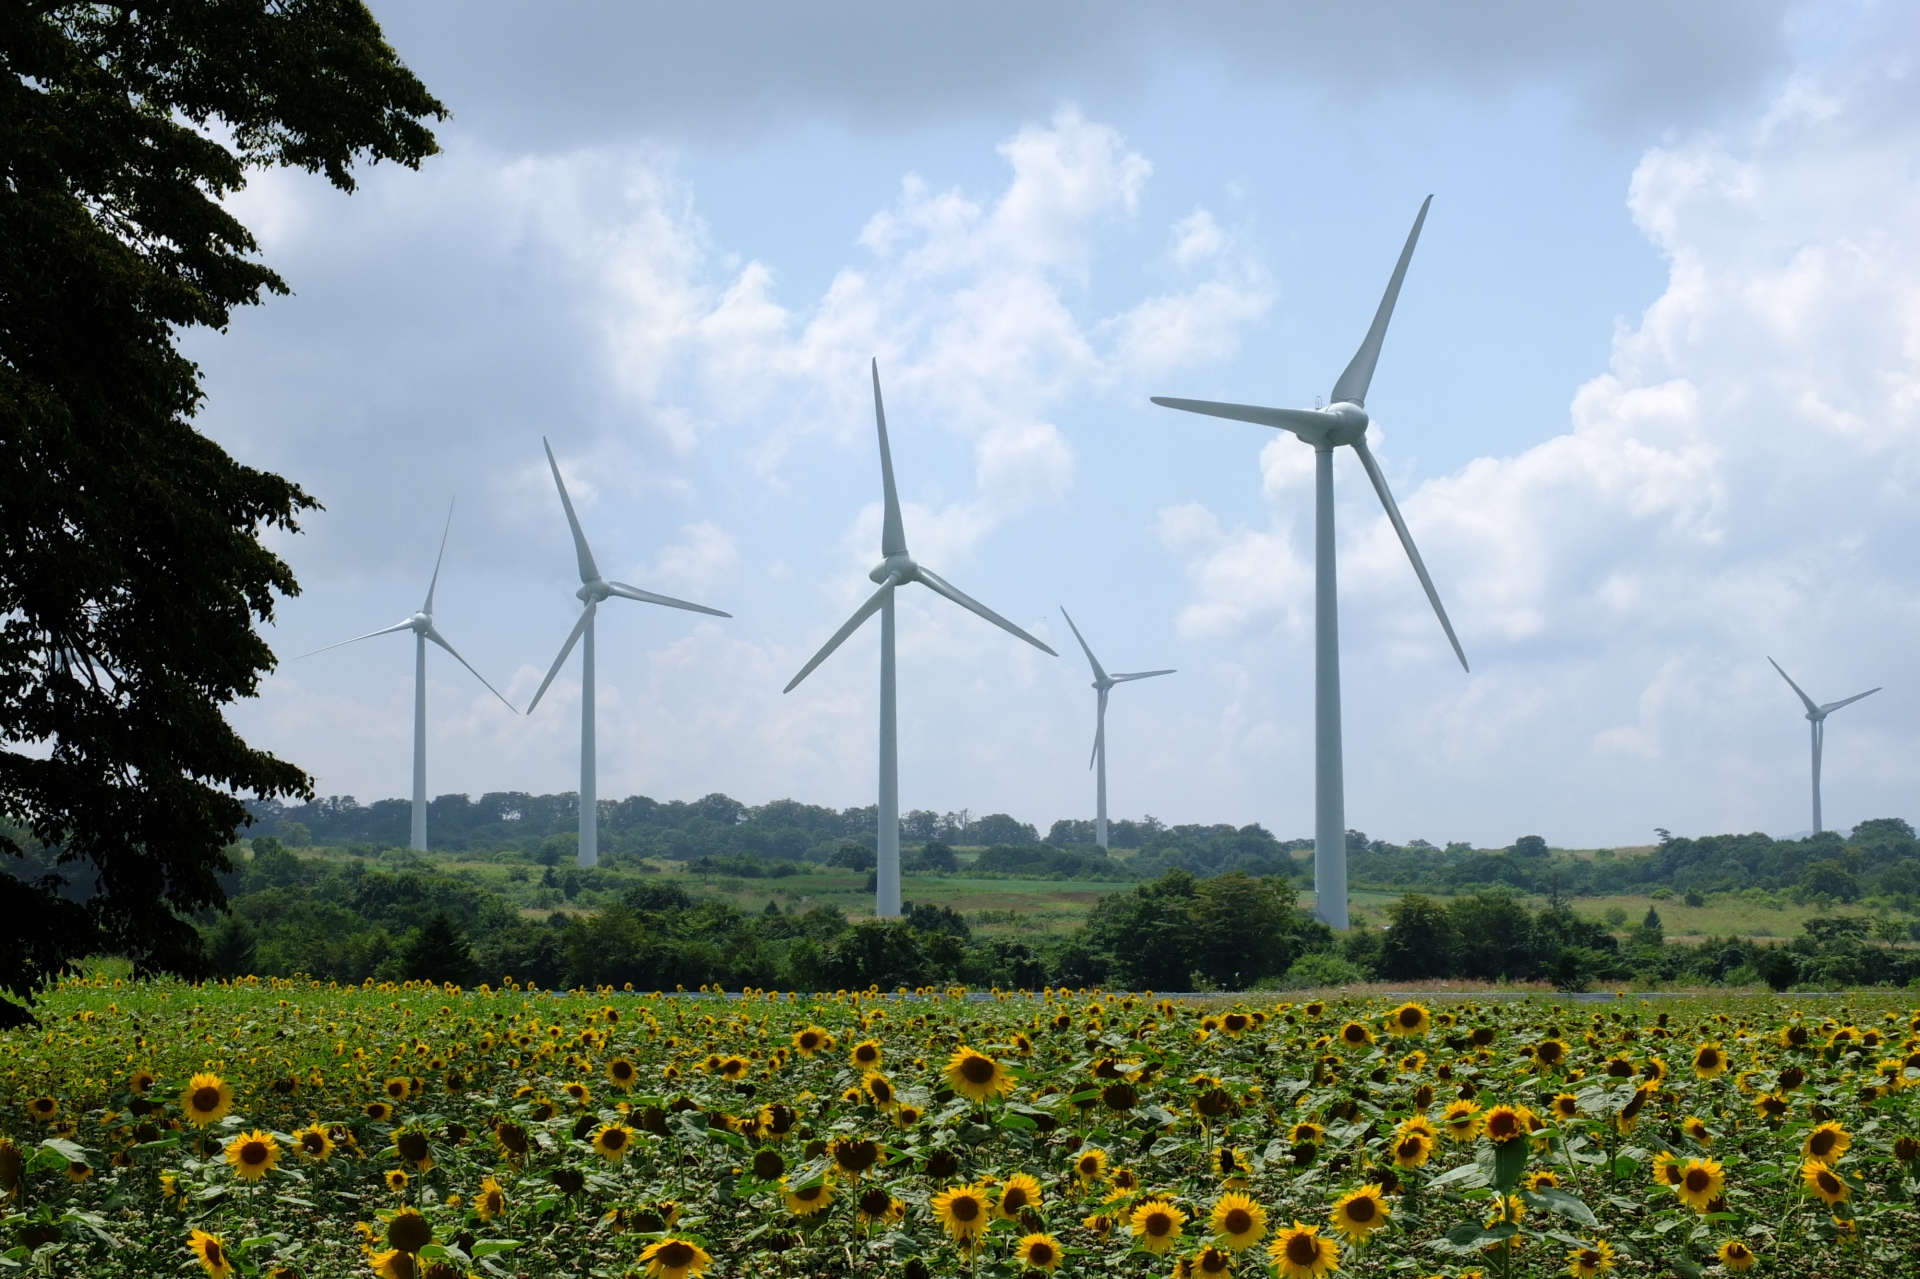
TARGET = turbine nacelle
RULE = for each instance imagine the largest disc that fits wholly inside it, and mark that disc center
(421, 623)
(598, 591)
(899, 567)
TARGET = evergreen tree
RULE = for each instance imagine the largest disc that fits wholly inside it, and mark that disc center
(438, 951)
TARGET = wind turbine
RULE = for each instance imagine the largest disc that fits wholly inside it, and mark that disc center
(896, 569)
(1102, 683)
(1344, 421)
(593, 590)
(421, 624)
(1817, 717)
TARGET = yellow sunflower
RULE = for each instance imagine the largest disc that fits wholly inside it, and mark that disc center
(1038, 1252)
(1504, 1124)
(1709, 1060)
(43, 1109)
(879, 1090)
(397, 1181)
(1089, 1166)
(804, 1201)
(491, 1201)
(1565, 1106)
(207, 1100)
(408, 1231)
(1360, 1213)
(1590, 1260)
(378, 1111)
(1696, 1128)
(1824, 1182)
(963, 1211)
(1735, 1256)
(675, 1259)
(1238, 1221)
(1156, 1225)
(975, 1075)
(313, 1142)
(1550, 1053)
(811, 1040)
(1018, 1192)
(866, 1055)
(1299, 1252)
(1826, 1143)
(1463, 1120)
(210, 1253)
(1100, 1223)
(611, 1142)
(1355, 1035)
(1409, 1019)
(253, 1155)
(1306, 1133)
(1412, 1147)
(1701, 1181)
(411, 1145)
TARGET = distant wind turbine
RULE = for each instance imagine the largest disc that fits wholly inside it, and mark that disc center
(1817, 717)
(896, 569)
(1102, 683)
(421, 624)
(1344, 421)
(593, 589)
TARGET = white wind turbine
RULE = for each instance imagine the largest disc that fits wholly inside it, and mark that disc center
(1344, 421)
(1817, 717)
(593, 589)
(895, 569)
(1102, 683)
(421, 624)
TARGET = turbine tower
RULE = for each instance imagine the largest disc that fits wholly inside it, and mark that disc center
(593, 590)
(1343, 421)
(896, 569)
(1817, 717)
(1102, 684)
(421, 624)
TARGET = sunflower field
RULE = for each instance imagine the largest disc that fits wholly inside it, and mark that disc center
(300, 1129)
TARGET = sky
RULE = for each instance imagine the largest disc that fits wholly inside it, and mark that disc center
(1650, 404)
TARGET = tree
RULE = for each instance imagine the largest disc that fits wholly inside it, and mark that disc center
(1420, 940)
(131, 567)
(1529, 846)
(1244, 930)
(438, 951)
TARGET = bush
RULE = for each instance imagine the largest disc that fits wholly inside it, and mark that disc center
(1321, 968)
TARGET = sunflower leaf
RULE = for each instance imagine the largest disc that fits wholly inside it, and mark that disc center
(1509, 1162)
(1567, 1204)
(487, 1247)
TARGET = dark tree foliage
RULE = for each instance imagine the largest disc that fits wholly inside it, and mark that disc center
(131, 570)
(438, 951)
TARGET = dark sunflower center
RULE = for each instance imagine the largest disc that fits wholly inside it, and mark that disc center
(1303, 1249)
(809, 1041)
(1237, 1221)
(312, 1142)
(1360, 1210)
(1039, 1253)
(964, 1208)
(1158, 1223)
(409, 1232)
(1829, 1183)
(1409, 1017)
(206, 1098)
(1014, 1199)
(1821, 1143)
(875, 1202)
(253, 1153)
(674, 1253)
(1502, 1127)
(1410, 1147)
(412, 1147)
(866, 1056)
(976, 1070)
(1698, 1180)
(613, 1139)
(216, 1259)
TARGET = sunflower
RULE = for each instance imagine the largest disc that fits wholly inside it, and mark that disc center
(1412, 1147)
(1355, 1035)
(1122, 1183)
(963, 1211)
(675, 1259)
(1772, 1105)
(1826, 1143)
(1409, 1019)
(1696, 1128)
(397, 1181)
(804, 1201)
(1360, 1213)
(207, 1100)
(43, 1109)
(907, 1116)
(1038, 1252)
(1299, 1252)
(975, 1075)
(811, 1040)
(1236, 1023)
(878, 1089)
(1565, 1106)
(1306, 1133)
(1089, 1166)
(580, 1093)
(1020, 1191)
(611, 1142)
(211, 1253)
(378, 1111)
(1709, 1060)
(1666, 1169)
(866, 1055)
(411, 1145)
(512, 1138)
(408, 1231)
(397, 1088)
(1701, 1182)
(1463, 1120)
(253, 1155)
(1156, 1225)
(1504, 1124)
(1238, 1221)
(1535, 1182)
(623, 1073)
(312, 1142)
(1589, 1260)
(491, 1201)
(141, 1081)
(1550, 1053)
(1824, 1182)
(1735, 1256)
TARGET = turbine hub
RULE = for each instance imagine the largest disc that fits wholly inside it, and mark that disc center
(422, 621)
(593, 592)
(1350, 422)
(902, 565)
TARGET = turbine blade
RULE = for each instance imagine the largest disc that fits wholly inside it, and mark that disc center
(1811, 708)
(427, 608)
(579, 629)
(1353, 383)
(893, 533)
(860, 615)
(434, 635)
(943, 587)
(387, 630)
(1100, 730)
(648, 597)
(587, 570)
(1121, 679)
(1091, 659)
(1406, 540)
(1834, 706)
(1308, 424)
